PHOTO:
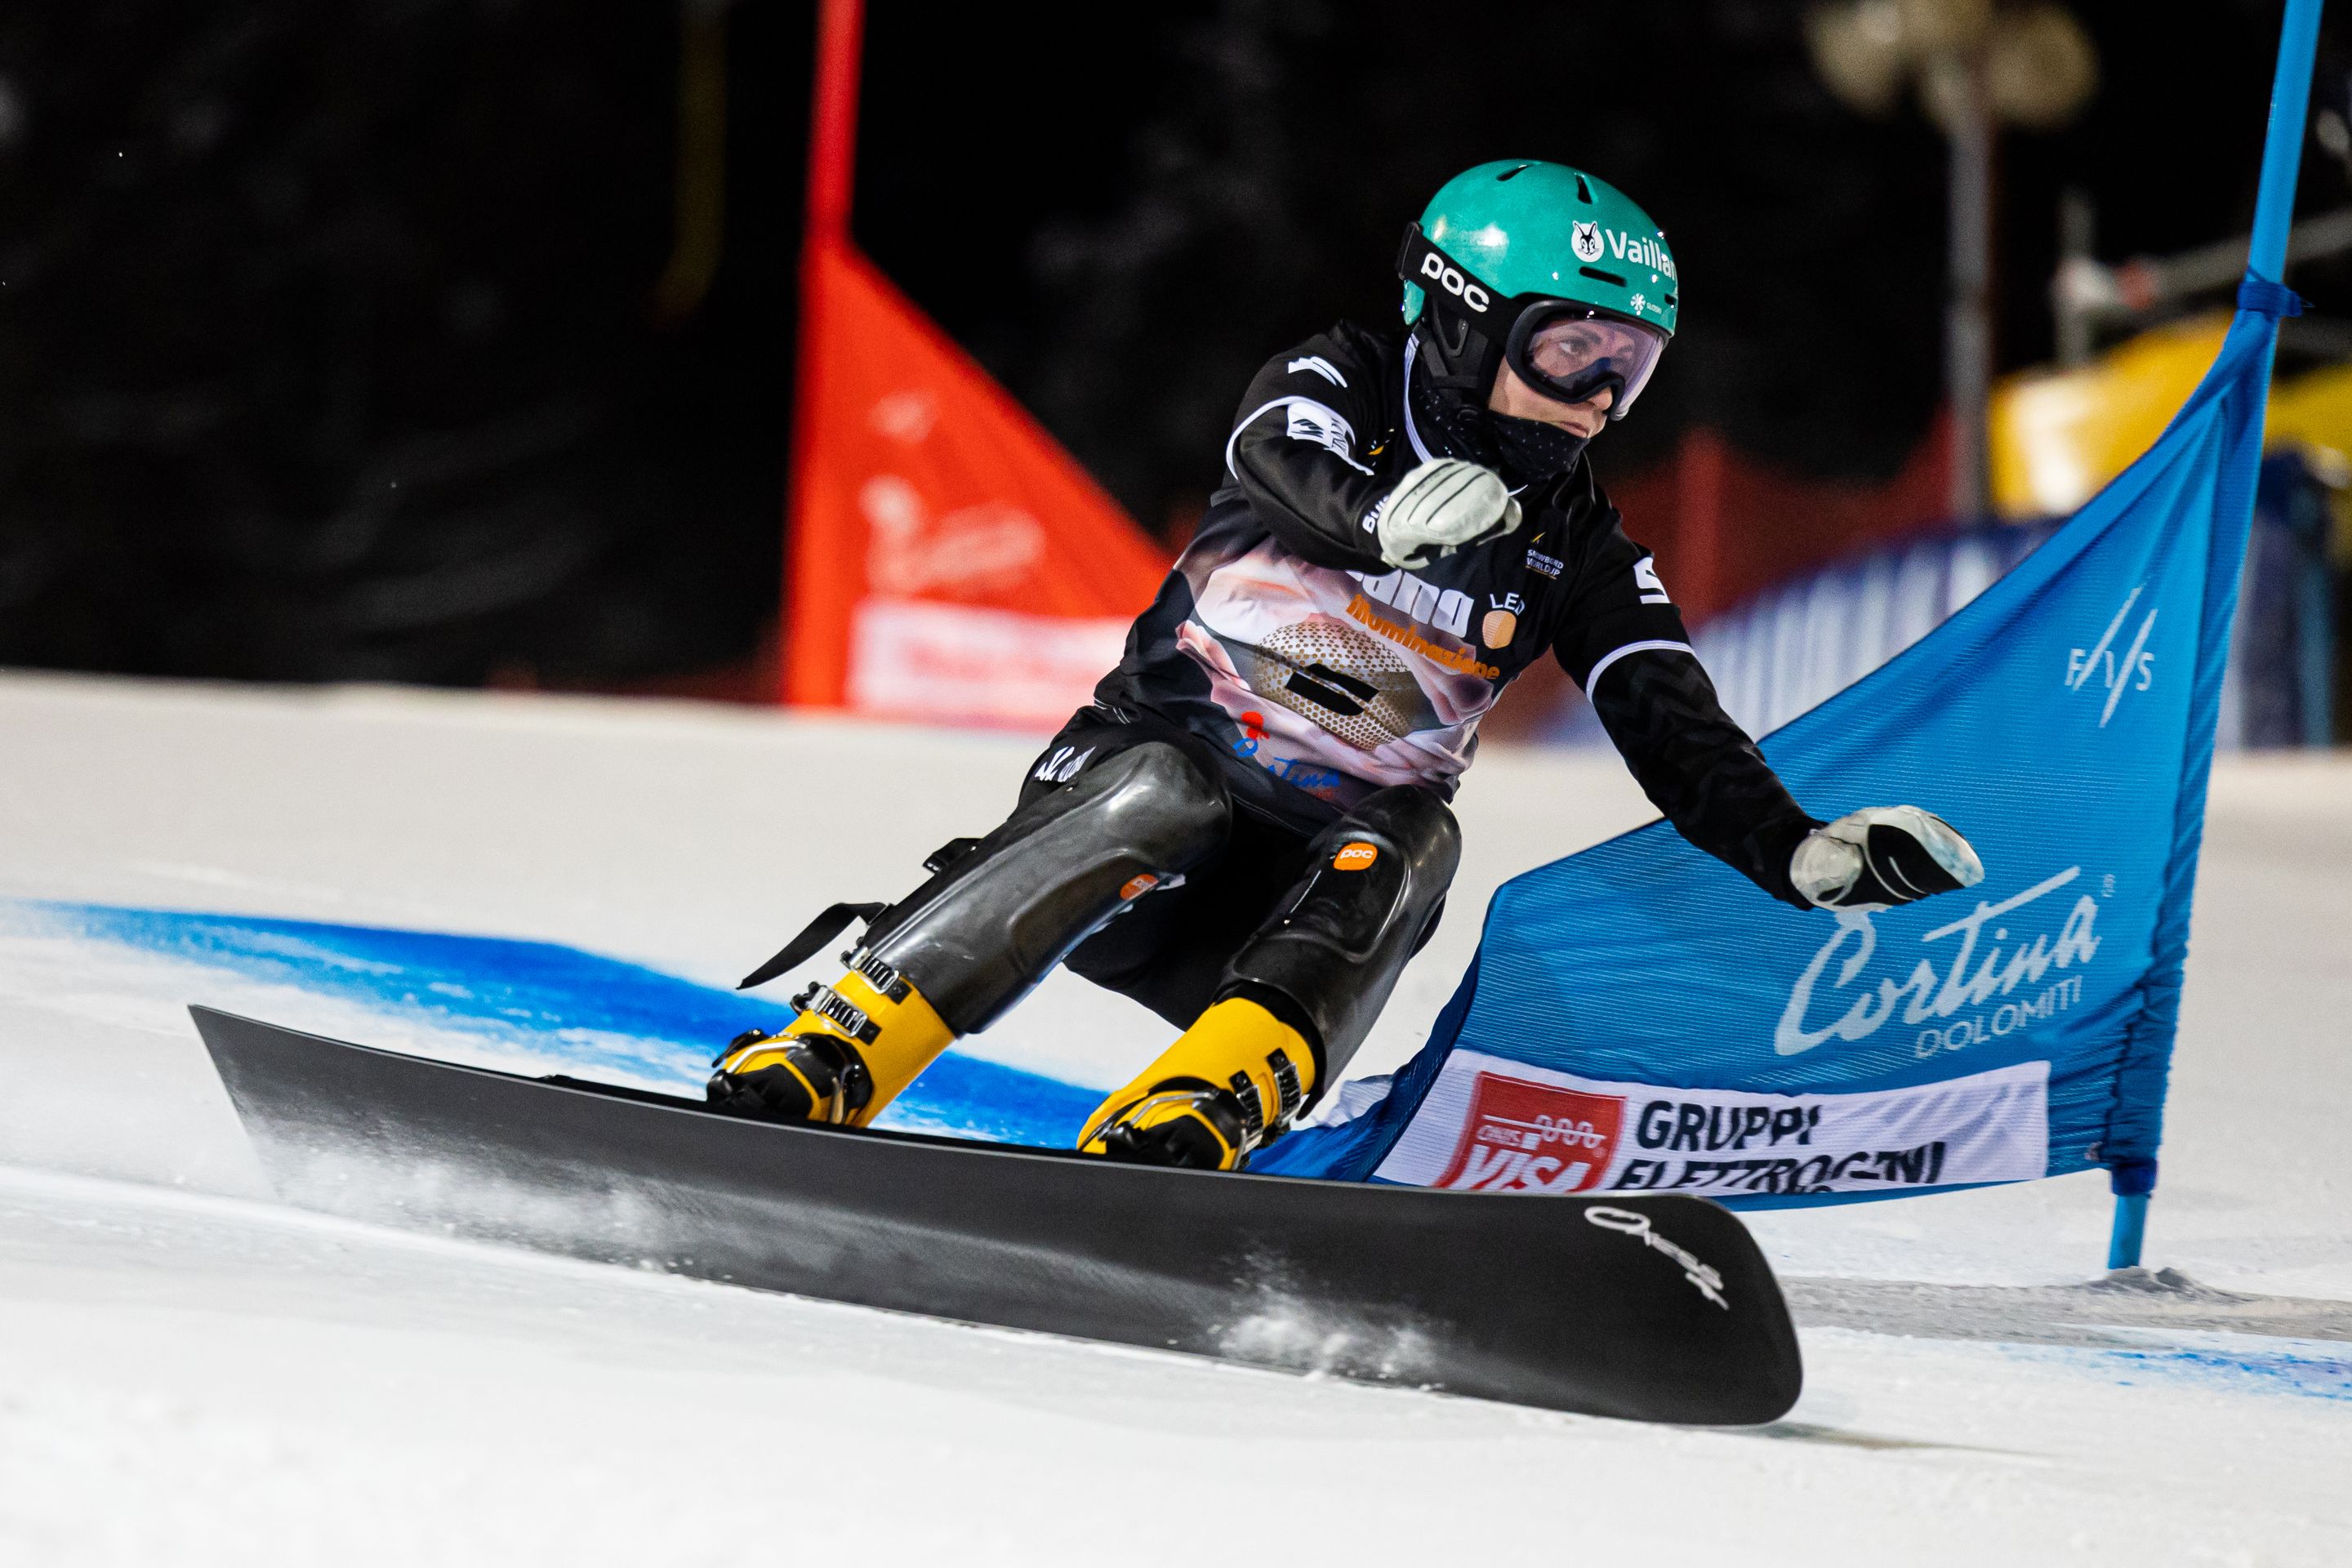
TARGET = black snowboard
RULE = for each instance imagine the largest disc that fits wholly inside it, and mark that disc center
(1656, 1309)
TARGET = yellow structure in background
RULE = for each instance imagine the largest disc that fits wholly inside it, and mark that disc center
(2059, 436)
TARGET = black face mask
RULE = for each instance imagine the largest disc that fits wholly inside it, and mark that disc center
(1526, 452)
(1533, 450)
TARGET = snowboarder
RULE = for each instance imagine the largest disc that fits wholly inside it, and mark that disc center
(1247, 830)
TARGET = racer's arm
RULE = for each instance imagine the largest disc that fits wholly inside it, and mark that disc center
(1300, 450)
(1624, 642)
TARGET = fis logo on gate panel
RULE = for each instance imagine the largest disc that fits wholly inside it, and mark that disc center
(2134, 670)
(1522, 1137)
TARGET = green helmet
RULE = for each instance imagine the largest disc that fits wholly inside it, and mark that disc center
(1547, 268)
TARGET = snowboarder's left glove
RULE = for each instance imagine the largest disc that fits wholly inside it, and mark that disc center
(1886, 855)
(1442, 506)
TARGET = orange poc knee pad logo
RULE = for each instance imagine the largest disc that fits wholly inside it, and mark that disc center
(1355, 857)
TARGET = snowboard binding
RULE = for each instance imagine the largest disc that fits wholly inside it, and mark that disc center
(1229, 1086)
(1185, 1123)
(855, 1044)
(790, 1078)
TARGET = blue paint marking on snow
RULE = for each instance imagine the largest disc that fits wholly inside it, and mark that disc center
(2307, 1369)
(593, 1016)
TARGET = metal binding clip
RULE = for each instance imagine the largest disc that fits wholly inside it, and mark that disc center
(1285, 1082)
(1253, 1111)
(878, 974)
(857, 1088)
(831, 1005)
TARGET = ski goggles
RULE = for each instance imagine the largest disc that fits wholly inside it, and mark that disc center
(1573, 351)
(1563, 348)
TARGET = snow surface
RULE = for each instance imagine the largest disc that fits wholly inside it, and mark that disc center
(192, 1374)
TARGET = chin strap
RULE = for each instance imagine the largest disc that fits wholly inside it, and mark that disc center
(1467, 369)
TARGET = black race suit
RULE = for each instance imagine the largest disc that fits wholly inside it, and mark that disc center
(1316, 674)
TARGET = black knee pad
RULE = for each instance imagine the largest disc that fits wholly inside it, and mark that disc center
(1328, 961)
(976, 937)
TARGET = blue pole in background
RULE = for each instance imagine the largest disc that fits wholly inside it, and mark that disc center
(2308, 521)
(2315, 644)
(2282, 142)
(2266, 260)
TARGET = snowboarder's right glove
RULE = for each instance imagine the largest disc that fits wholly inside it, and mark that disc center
(1886, 855)
(1441, 507)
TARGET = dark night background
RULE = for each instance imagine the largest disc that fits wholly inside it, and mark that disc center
(329, 347)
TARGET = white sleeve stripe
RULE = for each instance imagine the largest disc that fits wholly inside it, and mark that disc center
(1284, 403)
(1261, 408)
(1593, 677)
(1412, 431)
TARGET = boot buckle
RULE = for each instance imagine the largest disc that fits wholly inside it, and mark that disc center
(878, 974)
(1286, 1084)
(1243, 1089)
(839, 1011)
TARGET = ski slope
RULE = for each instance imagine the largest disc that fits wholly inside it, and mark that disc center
(192, 1374)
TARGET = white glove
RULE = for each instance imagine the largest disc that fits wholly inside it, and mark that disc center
(1886, 855)
(1441, 507)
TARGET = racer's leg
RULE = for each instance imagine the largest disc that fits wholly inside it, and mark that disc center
(1171, 951)
(953, 956)
(1299, 997)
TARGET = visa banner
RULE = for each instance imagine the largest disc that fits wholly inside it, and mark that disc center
(1492, 1124)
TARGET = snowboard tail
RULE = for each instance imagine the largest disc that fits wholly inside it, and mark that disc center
(1650, 1308)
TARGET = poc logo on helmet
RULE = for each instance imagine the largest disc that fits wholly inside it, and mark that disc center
(1433, 267)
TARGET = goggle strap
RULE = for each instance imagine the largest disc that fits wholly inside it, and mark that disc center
(1450, 287)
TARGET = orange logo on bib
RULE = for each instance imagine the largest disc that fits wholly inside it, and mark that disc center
(1355, 857)
(1136, 887)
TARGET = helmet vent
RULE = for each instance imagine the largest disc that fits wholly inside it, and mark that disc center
(1522, 169)
(1670, 302)
(1603, 277)
(1583, 191)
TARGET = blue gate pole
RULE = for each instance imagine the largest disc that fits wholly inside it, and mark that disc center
(2283, 142)
(2265, 259)
(2130, 1230)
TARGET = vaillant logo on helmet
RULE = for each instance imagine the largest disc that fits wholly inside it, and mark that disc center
(1586, 241)
(1640, 249)
(1433, 267)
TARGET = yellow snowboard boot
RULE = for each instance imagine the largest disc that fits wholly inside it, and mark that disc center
(1229, 1085)
(856, 1044)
